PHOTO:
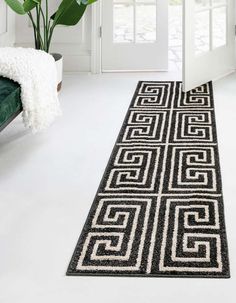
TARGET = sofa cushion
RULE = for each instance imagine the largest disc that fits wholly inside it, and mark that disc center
(10, 100)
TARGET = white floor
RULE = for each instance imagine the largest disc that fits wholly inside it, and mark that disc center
(48, 182)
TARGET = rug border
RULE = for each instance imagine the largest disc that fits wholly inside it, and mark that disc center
(121, 275)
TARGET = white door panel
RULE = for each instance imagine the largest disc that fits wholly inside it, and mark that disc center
(134, 35)
(7, 25)
(208, 41)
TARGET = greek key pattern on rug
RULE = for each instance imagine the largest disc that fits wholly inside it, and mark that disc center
(159, 208)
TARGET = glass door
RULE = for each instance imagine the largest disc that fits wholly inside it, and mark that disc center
(134, 35)
(208, 41)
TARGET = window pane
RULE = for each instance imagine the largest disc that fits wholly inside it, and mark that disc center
(145, 23)
(219, 20)
(202, 32)
(123, 23)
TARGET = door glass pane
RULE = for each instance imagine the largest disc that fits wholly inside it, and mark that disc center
(218, 2)
(145, 22)
(219, 21)
(123, 16)
(134, 21)
(200, 4)
(146, 1)
(123, 1)
(202, 32)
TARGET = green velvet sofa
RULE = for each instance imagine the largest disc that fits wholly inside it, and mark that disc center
(10, 101)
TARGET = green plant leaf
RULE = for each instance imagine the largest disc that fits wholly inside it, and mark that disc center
(86, 2)
(30, 4)
(70, 12)
(91, 1)
(16, 6)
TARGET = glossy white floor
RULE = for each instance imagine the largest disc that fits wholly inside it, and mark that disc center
(48, 182)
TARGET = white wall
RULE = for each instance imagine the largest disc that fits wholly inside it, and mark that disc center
(73, 42)
(7, 25)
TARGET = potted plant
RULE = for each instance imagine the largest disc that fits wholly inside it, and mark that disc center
(68, 13)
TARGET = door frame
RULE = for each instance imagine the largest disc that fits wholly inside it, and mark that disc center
(96, 41)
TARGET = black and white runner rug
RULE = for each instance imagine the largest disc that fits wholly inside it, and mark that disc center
(159, 208)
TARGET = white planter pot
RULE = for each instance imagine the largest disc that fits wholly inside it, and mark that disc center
(59, 65)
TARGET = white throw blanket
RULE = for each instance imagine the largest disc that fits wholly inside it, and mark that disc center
(35, 71)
